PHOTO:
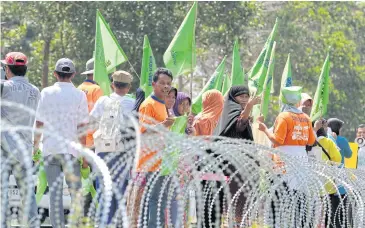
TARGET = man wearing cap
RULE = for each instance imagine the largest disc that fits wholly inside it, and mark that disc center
(93, 93)
(17, 146)
(62, 112)
(292, 132)
(121, 84)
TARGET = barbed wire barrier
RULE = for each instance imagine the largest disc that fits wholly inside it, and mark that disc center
(183, 181)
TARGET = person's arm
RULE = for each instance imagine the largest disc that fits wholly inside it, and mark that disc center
(345, 147)
(83, 114)
(280, 130)
(37, 135)
(39, 123)
(95, 114)
(246, 112)
(147, 117)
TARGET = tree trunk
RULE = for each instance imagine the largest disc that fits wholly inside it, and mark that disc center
(181, 84)
(46, 50)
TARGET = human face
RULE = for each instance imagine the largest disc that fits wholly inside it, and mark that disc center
(170, 100)
(162, 87)
(307, 107)
(360, 132)
(242, 99)
(184, 107)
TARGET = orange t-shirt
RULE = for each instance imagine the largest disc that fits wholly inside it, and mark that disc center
(93, 92)
(151, 108)
(291, 129)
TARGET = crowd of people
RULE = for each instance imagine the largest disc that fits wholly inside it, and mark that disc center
(62, 111)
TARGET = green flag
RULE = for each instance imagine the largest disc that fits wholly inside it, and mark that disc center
(286, 78)
(180, 56)
(258, 72)
(237, 70)
(114, 54)
(321, 97)
(148, 68)
(100, 66)
(268, 84)
(170, 160)
(215, 82)
(226, 84)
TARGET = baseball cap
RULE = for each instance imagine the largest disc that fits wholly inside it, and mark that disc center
(15, 59)
(122, 76)
(65, 65)
(89, 67)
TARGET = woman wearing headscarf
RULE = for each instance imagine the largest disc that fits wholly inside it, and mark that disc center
(204, 125)
(292, 132)
(306, 104)
(170, 101)
(235, 123)
(207, 120)
(182, 104)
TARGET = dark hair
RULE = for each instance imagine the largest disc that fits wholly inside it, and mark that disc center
(173, 89)
(162, 71)
(18, 70)
(64, 75)
(121, 85)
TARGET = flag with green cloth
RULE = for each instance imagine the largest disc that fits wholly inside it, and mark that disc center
(268, 88)
(258, 72)
(41, 178)
(226, 85)
(108, 53)
(170, 160)
(180, 56)
(148, 68)
(87, 184)
(215, 80)
(321, 96)
(286, 78)
(237, 73)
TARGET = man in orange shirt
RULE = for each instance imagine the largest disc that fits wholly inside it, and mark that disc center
(153, 112)
(93, 92)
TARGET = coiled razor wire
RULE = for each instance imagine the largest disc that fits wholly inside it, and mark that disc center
(247, 187)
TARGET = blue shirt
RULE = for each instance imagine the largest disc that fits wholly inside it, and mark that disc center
(346, 152)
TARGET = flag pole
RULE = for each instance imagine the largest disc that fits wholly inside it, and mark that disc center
(191, 84)
(133, 69)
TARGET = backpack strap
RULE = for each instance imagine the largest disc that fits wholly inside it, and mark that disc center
(324, 150)
(2, 88)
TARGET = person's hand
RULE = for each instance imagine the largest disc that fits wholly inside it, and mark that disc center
(168, 122)
(190, 130)
(254, 100)
(191, 119)
(84, 163)
(334, 135)
(317, 125)
(262, 126)
(260, 119)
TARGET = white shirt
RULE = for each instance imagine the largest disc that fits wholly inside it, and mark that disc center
(18, 90)
(127, 105)
(62, 108)
(361, 158)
